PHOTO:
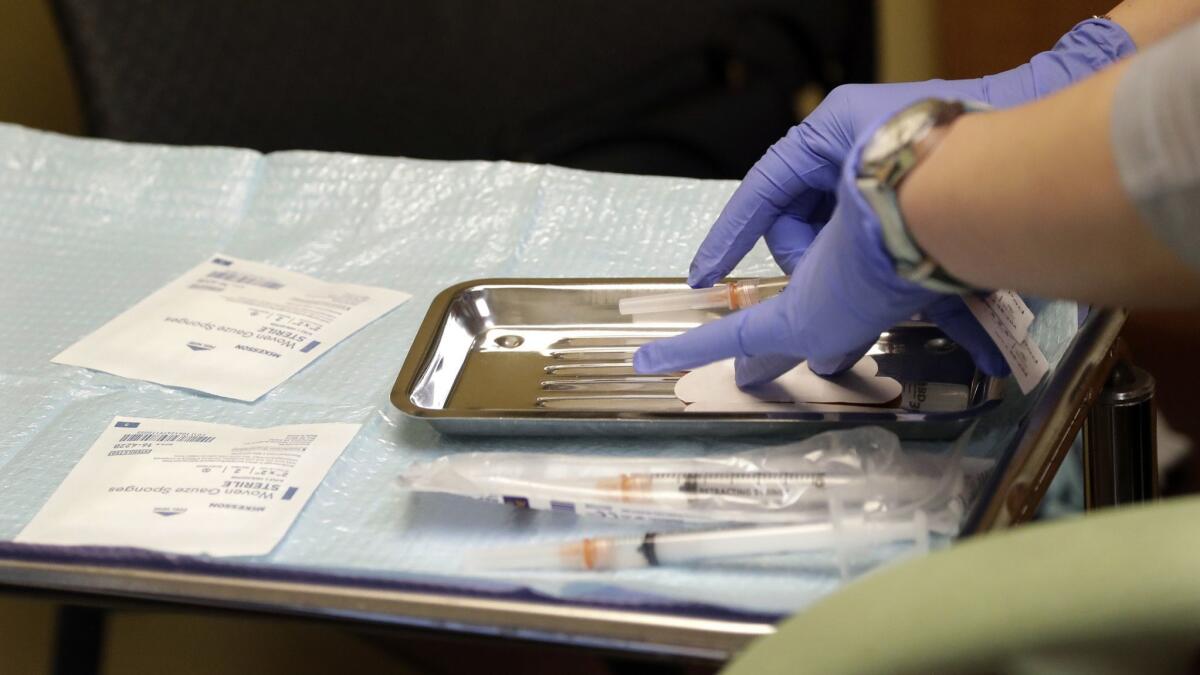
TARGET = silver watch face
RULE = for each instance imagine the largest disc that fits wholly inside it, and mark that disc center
(902, 130)
(886, 160)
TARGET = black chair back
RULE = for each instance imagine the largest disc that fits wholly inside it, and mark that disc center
(682, 87)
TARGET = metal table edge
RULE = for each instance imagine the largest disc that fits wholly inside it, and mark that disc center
(605, 628)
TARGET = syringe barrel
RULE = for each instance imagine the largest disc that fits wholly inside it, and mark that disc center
(680, 549)
(696, 298)
(732, 295)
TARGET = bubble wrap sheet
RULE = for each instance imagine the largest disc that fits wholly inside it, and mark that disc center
(88, 228)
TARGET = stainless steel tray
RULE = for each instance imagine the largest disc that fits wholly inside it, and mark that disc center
(552, 357)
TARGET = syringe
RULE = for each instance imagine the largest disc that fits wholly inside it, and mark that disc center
(769, 489)
(656, 548)
(731, 295)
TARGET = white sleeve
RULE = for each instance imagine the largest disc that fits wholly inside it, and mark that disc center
(1156, 139)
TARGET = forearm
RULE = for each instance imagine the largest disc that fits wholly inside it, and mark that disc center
(1147, 21)
(1030, 199)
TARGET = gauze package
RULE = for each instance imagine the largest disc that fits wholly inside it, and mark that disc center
(189, 487)
(230, 327)
(89, 228)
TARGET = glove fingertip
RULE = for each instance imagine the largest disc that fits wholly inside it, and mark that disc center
(829, 366)
(961, 326)
(702, 279)
(646, 361)
(987, 357)
(993, 363)
(702, 274)
(750, 371)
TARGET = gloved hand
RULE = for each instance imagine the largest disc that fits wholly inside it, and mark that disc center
(843, 293)
(789, 193)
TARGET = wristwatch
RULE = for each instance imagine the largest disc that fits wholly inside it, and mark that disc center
(895, 149)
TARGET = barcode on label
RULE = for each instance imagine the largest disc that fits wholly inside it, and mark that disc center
(237, 278)
(166, 437)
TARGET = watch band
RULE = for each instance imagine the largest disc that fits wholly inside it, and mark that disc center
(893, 152)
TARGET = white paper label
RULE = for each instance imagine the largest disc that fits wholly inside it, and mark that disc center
(230, 327)
(1006, 311)
(1006, 318)
(189, 487)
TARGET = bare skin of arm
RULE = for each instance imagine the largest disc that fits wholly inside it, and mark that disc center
(1030, 199)
(1147, 21)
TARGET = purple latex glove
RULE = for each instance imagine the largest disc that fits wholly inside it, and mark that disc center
(788, 195)
(843, 293)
